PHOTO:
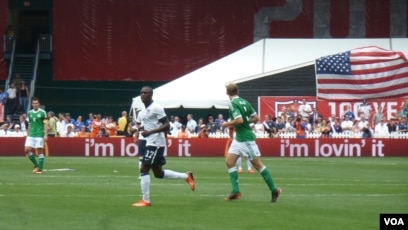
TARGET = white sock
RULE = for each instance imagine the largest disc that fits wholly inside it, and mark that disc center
(174, 175)
(145, 185)
(239, 163)
(249, 164)
(140, 163)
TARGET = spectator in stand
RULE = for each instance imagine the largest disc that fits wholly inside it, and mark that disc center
(191, 124)
(183, 132)
(22, 121)
(23, 95)
(52, 124)
(88, 122)
(363, 122)
(9, 121)
(366, 109)
(301, 127)
(3, 102)
(211, 125)
(70, 131)
(268, 124)
(78, 123)
(332, 118)
(346, 124)
(4, 130)
(403, 125)
(17, 81)
(17, 132)
(280, 125)
(316, 126)
(122, 124)
(336, 128)
(12, 101)
(355, 128)
(315, 115)
(199, 124)
(96, 126)
(382, 127)
(111, 126)
(325, 128)
(305, 109)
(203, 132)
(175, 126)
(105, 118)
(259, 128)
(83, 132)
(366, 133)
(293, 109)
(61, 124)
(69, 119)
(404, 109)
(349, 113)
(275, 132)
(284, 115)
(219, 122)
(377, 116)
(290, 125)
(392, 125)
(103, 132)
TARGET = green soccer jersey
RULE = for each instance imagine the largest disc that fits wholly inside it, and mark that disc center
(36, 122)
(240, 107)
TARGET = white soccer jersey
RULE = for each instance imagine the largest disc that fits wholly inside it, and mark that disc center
(150, 117)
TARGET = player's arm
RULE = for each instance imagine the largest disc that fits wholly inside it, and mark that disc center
(237, 121)
(254, 118)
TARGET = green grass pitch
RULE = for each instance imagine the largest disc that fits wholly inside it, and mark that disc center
(318, 193)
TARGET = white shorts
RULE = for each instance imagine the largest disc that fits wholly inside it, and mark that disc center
(34, 142)
(248, 149)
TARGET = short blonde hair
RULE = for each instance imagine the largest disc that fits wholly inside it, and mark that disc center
(232, 89)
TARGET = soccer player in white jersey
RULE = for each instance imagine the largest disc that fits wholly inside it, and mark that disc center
(242, 114)
(155, 125)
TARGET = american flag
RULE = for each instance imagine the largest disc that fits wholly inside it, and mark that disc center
(362, 73)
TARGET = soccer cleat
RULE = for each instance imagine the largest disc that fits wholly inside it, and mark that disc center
(251, 171)
(240, 170)
(276, 194)
(190, 180)
(142, 203)
(36, 169)
(233, 196)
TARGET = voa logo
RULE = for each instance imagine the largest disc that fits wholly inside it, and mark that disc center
(393, 221)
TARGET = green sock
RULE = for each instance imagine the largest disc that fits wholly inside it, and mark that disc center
(268, 179)
(41, 161)
(32, 159)
(233, 174)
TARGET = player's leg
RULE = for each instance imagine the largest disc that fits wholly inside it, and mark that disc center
(158, 171)
(141, 153)
(39, 146)
(231, 160)
(40, 160)
(249, 166)
(147, 160)
(266, 175)
(239, 164)
(28, 147)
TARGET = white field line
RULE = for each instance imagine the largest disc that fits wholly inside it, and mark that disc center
(184, 184)
(241, 177)
(203, 195)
